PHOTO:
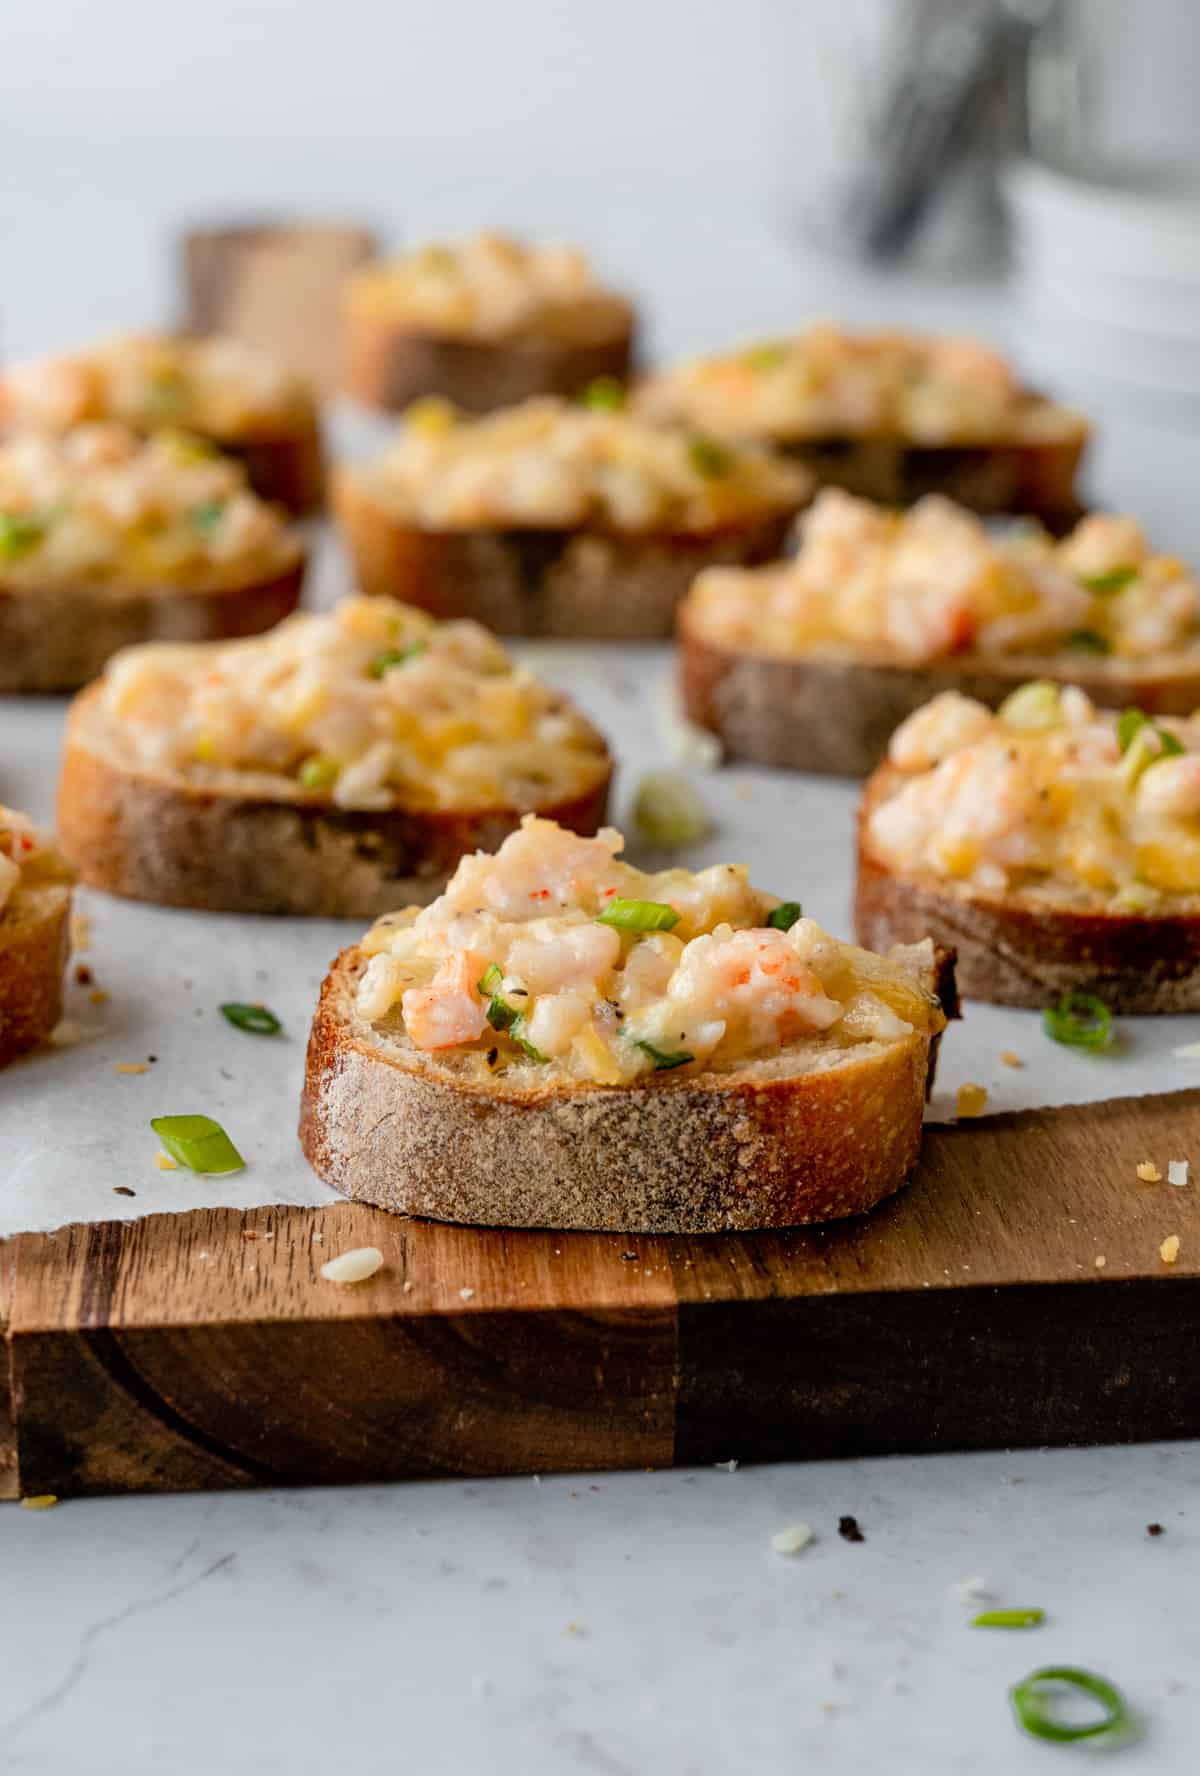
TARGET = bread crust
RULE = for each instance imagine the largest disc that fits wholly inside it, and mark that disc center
(34, 946)
(387, 365)
(836, 715)
(388, 1125)
(287, 466)
(1021, 949)
(602, 586)
(57, 640)
(1035, 479)
(148, 836)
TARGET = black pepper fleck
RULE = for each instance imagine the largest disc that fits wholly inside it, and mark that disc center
(849, 1531)
(123, 1190)
(1154, 1529)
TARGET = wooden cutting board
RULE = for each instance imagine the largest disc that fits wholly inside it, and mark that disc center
(972, 1311)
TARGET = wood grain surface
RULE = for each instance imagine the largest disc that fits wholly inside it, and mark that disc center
(205, 1350)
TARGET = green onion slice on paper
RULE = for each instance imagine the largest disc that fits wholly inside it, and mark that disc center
(1009, 1618)
(198, 1143)
(256, 1020)
(1079, 1020)
(1033, 1702)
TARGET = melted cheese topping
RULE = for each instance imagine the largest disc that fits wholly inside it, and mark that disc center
(101, 506)
(372, 705)
(549, 464)
(1049, 793)
(27, 856)
(824, 383)
(934, 581)
(218, 387)
(514, 965)
(489, 287)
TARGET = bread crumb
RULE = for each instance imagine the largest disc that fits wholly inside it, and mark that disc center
(1169, 1250)
(729, 1467)
(1177, 1172)
(99, 997)
(407, 1289)
(971, 1099)
(66, 1034)
(130, 1067)
(1010, 1059)
(467, 1294)
(791, 1539)
(39, 1501)
(1149, 1173)
(1100, 1262)
(353, 1267)
(83, 975)
(81, 932)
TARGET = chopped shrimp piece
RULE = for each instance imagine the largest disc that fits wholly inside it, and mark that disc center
(1102, 543)
(941, 727)
(449, 1010)
(1171, 788)
(550, 961)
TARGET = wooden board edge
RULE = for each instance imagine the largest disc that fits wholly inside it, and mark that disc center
(10, 1480)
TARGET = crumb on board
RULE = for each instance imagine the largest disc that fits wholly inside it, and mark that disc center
(466, 1294)
(1149, 1173)
(39, 1501)
(848, 1529)
(353, 1267)
(1100, 1261)
(1177, 1172)
(970, 1100)
(165, 1163)
(130, 1067)
(792, 1538)
(406, 1288)
(1010, 1058)
(1169, 1250)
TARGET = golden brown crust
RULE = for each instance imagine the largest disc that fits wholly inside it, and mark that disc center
(58, 640)
(386, 365)
(161, 838)
(837, 714)
(582, 584)
(1021, 949)
(34, 945)
(1033, 479)
(386, 1124)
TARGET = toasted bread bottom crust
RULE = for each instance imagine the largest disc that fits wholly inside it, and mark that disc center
(396, 1128)
(386, 365)
(61, 639)
(34, 945)
(585, 584)
(288, 467)
(1037, 480)
(1013, 951)
(837, 716)
(166, 840)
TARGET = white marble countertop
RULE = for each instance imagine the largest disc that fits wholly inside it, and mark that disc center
(613, 1624)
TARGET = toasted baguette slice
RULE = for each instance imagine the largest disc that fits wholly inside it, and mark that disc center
(259, 845)
(572, 583)
(812, 1134)
(58, 639)
(1036, 479)
(286, 467)
(1028, 947)
(34, 944)
(836, 714)
(388, 366)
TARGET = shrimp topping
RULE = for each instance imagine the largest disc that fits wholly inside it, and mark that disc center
(27, 856)
(515, 966)
(934, 582)
(1049, 792)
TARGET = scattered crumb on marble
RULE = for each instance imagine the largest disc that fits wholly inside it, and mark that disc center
(39, 1501)
(83, 974)
(729, 1467)
(1154, 1529)
(848, 1529)
(130, 1067)
(81, 932)
(971, 1100)
(792, 1538)
(165, 1163)
(973, 1590)
(1010, 1058)
(98, 996)
(123, 1190)
(66, 1034)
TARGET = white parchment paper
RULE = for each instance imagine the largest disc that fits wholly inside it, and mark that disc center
(74, 1132)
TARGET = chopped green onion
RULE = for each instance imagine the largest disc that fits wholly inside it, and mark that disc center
(709, 458)
(19, 532)
(198, 1143)
(1009, 1618)
(395, 657)
(1079, 1020)
(767, 356)
(1035, 705)
(665, 1059)
(1086, 641)
(490, 980)
(1130, 723)
(523, 1043)
(206, 516)
(255, 1019)
(785, 916)
(1116, 581)
(1171, 747)
(668, 811)
(501, 1015)
(165, 391)
(318, 772)
(1032, 1704)
(639, 915)
(604, 394)
(1143, 743)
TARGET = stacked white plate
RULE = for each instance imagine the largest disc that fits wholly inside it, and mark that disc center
(1107, 274)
